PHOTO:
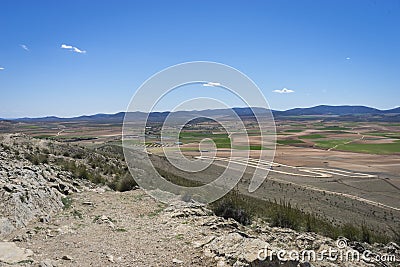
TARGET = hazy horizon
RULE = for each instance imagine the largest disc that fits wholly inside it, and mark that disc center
(161, 111)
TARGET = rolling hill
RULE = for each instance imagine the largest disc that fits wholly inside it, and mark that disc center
(326, 112)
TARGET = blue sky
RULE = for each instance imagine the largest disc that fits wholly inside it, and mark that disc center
(327, 52)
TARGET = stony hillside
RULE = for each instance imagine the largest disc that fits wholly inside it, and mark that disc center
(29, 191)
(54, 217)
(36, 176)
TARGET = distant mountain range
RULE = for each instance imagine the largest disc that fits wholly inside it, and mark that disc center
(359, 113)
(336, 110)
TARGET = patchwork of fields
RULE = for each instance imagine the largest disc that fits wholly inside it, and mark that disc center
(334, 169)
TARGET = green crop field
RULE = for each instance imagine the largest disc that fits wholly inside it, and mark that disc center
(334, 128)
(388, 148)
(221, 140)
(389, 135)
(312, 136)
(251, 147)
(336, 132)
(390, 124)
(293, 131)
(351, 124)
(331, 143)
(31, 126)
(43, 136)
(252, 131)
(289, 142)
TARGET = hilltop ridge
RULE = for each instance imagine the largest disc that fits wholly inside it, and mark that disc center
(339, 112)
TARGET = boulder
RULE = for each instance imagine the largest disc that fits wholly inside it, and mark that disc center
(10, 253)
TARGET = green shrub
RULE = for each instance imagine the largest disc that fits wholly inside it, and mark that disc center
(350, 231)
(227, 210)
(77, 214)
(82, 173)
(113, 184)
(284, 215)
(396, 233)
(78, 155)
(97, 179)
(122, 184)
(37, 159)
(67, 202)
(126, 183)
(365, 234)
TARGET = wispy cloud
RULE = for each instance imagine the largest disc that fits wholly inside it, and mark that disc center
(211, 84)
(73, 49)
(283, 91)
(26, 48)
(1, 68)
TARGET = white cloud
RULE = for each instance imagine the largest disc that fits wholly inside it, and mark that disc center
(73, 49)
(283, 91)
(347, 58)
(66, 46)
(1, 68)
(24, 47)
(77, 50)
(211, 84)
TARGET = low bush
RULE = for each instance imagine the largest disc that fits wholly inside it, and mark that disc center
(37, 159)
(283, 215)
(124, 183)
(227, 210)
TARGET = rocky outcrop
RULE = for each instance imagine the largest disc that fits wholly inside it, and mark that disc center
(10, 253)
(232, 244)
(28, 191)
(107, 228)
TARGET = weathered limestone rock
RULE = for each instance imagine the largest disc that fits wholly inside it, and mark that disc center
(10, 253)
